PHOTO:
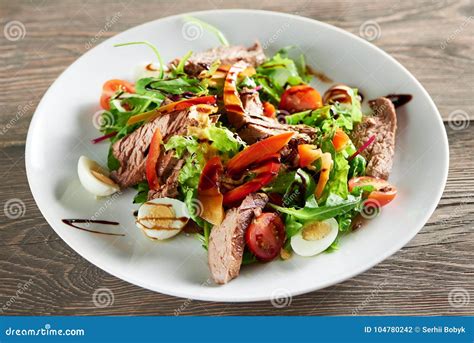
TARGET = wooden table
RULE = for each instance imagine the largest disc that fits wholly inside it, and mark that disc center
(433, 39)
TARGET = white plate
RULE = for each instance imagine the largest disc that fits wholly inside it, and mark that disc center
(62, 127)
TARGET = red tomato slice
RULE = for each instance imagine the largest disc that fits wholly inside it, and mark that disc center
(384, 192)
(110, 87)
(265, 236)
(300, 98)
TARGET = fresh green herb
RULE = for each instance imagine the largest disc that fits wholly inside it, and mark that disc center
(357, 167)
(204, 237)
(321, 213)
(142, 193)
(179, 70)
(248, 258)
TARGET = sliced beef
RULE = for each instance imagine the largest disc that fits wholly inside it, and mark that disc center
(383, 125)
(131, 150)
(253, 126)
(226, 242)
(168, 169)
(200, 61)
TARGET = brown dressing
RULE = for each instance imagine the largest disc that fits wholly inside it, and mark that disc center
(181, 219)
(72, 222)
(399, 99)
(322, 77)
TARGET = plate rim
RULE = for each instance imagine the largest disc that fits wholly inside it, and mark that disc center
(248, 298)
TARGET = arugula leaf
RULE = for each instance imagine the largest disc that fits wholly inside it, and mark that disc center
(357, 166)
(321, 213)
(292, 226)
(248, 257)
(178, 86)
(179, 69)
(295, 187)
(142, 195)
(112, 162)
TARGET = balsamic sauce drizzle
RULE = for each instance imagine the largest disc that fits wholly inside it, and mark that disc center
(72, 222)
(399, 99)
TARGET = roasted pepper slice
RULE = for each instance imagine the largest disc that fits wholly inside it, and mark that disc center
(257, 152)
(152, 159)
(174, 106)
(209, 194)
(308, 153)
(264, 175)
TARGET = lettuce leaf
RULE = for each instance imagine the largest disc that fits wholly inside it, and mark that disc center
(310, 117)
(224, 140)
(337, 183)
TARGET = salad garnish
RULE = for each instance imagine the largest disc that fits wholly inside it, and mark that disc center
(242, 148)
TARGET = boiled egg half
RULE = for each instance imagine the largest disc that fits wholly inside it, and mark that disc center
(94, 178)
(315, 237)
(162, 218)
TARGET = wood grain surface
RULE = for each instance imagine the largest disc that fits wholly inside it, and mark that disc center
(432, 275)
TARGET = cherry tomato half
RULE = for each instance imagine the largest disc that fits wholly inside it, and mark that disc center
(300, 98)
(384, 192)
(109, 89)
(265, 236)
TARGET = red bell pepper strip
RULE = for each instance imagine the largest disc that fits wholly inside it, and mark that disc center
(174, 106)
(209, 194)
(257, 152)
(152, 159)
(265, 175)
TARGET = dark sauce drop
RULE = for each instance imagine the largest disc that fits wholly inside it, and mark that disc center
(399, 99)
(72, 222)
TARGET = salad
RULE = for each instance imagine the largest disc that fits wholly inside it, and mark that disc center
(239, 149)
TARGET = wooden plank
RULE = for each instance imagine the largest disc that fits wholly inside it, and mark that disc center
(416, 280)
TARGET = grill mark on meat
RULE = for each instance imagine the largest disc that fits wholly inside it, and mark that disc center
(382, 125)
(253, 126)
(226, 242)
(131, 150)
(169, 187)
(229, 55)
